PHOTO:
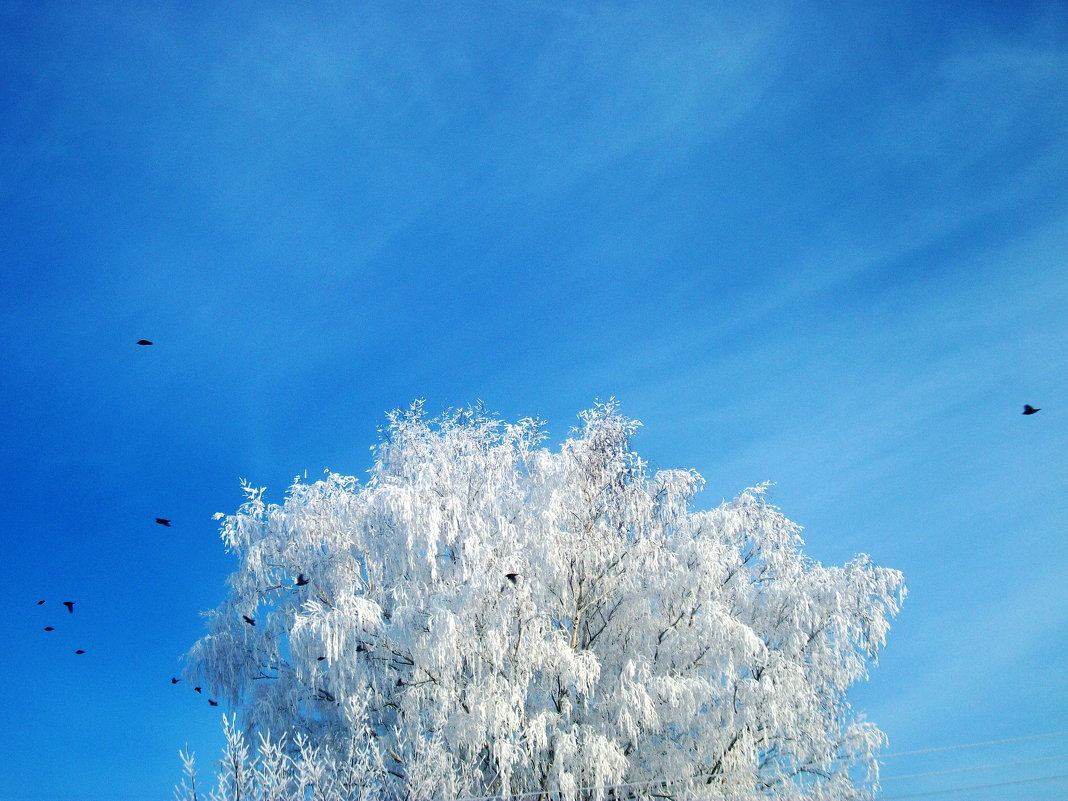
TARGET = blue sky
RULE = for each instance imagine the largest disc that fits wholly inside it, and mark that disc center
(818, 244)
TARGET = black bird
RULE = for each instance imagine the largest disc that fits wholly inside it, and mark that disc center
(213, 703)
(1029, 409)
(301, 581)
(320, 658)
(174, 680)
(249, 620)
(79, 651)
(49, 628)
(512, 577)
(197, 690)
(144, 342)
(163, 521)
(40, 602)
(70, 606)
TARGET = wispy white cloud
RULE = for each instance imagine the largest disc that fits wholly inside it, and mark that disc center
(607, 85)
(982, 99)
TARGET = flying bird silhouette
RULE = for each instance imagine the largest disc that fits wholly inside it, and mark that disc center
(320, 658)
(79, 651)
(213, 703)
(174, 680)
(1029, 409)
(40, 602)
(301, 581)
(512, 577)
(144, 342)
(163, 521)
(50, 628)
(249, 620)
(197, 690)
(70, 606)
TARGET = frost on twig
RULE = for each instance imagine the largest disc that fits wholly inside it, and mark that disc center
(485, 616)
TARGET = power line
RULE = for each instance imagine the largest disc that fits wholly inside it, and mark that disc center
(539, 794)
(976, 787)
(622, 785)
(974, 768)
(534, 794)
(975, 745)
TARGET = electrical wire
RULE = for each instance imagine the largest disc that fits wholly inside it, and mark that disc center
(622, 785)
(539, 794)
(976, 787)
(974, 745)
(974, 768)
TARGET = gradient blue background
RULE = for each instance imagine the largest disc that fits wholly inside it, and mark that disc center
(821, 244)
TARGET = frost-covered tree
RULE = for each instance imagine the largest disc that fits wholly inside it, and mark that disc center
(486, 617)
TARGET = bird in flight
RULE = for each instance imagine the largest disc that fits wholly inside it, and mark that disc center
(512, 577)
(301, 581)
(40, 602)
(163, 521)
(320, 658)
(197, 690)
(174, 680)
(249, 620)
(1029, 409)
(50, 628)
(213, 703)
(70, 606)
(144, 342)
(79, 651)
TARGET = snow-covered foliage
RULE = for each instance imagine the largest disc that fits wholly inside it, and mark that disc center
(487, 617)
(281, 770)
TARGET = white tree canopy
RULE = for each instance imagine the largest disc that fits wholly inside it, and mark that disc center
(487, 617)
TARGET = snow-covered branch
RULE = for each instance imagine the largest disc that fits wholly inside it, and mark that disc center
(486, 616)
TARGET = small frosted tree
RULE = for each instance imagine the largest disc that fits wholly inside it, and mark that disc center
(486, 617)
